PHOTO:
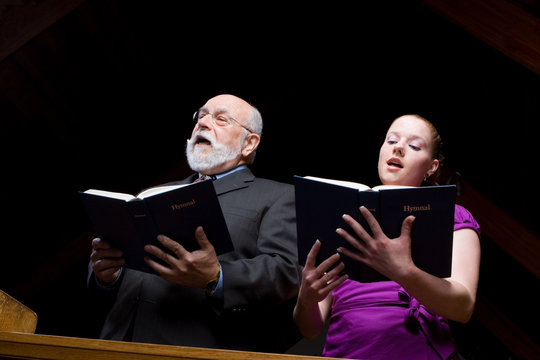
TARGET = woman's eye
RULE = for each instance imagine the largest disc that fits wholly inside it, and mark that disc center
(415, 148)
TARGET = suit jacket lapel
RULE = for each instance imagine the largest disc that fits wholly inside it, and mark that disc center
(237, 180)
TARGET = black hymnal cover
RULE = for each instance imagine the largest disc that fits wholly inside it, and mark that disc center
(320, 204)
(129, 222)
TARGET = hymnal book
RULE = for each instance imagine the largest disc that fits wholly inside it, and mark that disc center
(130, 222)
(320, 204)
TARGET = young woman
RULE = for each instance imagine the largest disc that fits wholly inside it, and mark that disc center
(407, 317)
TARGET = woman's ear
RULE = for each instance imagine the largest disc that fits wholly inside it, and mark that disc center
(433, 168)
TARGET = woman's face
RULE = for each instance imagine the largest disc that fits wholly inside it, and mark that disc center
(405, 157)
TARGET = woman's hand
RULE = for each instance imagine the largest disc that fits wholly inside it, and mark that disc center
(319, 281)
(390, 257)
(314, 297)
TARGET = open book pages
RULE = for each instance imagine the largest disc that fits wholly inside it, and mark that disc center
(355, 185)
(158, 190)
(143, 194)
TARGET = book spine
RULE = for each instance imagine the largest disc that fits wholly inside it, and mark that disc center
(370, 200)
(143, 222)
(358, 271)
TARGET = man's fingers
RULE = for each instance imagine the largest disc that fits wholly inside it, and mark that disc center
(102, 265)
(175, 247)
(202, 239)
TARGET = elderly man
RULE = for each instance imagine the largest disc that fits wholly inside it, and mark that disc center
(239, 300)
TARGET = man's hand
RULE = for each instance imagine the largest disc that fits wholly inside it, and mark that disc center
(192, 269)
(106, 261)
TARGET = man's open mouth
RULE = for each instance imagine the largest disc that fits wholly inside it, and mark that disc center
(201, 140)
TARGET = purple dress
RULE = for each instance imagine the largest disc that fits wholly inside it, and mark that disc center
(380, 320)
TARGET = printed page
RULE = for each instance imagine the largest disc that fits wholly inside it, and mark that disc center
(350, 184)
(110, 194)
(389, 187)
(158, 190)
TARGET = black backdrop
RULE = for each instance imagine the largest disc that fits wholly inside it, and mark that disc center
(122, 79)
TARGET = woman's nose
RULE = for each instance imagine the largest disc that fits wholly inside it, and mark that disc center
(399, 149)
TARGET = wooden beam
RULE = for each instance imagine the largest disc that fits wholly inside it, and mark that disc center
(501, 24)
(502, 229)
(521, 244)
(21, 21)
(504, 329)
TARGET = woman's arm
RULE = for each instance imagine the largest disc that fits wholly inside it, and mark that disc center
(454, 297)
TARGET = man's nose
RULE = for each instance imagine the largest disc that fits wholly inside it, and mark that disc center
(205, 121)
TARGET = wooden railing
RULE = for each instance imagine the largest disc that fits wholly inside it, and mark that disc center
(46, 347)
(15, 316)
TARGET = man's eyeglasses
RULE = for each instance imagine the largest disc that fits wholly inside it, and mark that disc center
(220, 120)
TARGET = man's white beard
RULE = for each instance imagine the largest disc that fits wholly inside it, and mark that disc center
(218, 155)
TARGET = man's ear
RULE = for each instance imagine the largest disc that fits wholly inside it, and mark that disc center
(250, 144)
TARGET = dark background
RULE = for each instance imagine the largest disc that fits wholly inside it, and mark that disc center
(103, 98)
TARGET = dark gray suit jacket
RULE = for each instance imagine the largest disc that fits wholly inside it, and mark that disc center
(260, 280)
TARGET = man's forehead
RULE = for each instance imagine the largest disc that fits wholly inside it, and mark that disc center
(227, 100)
(226, 104)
